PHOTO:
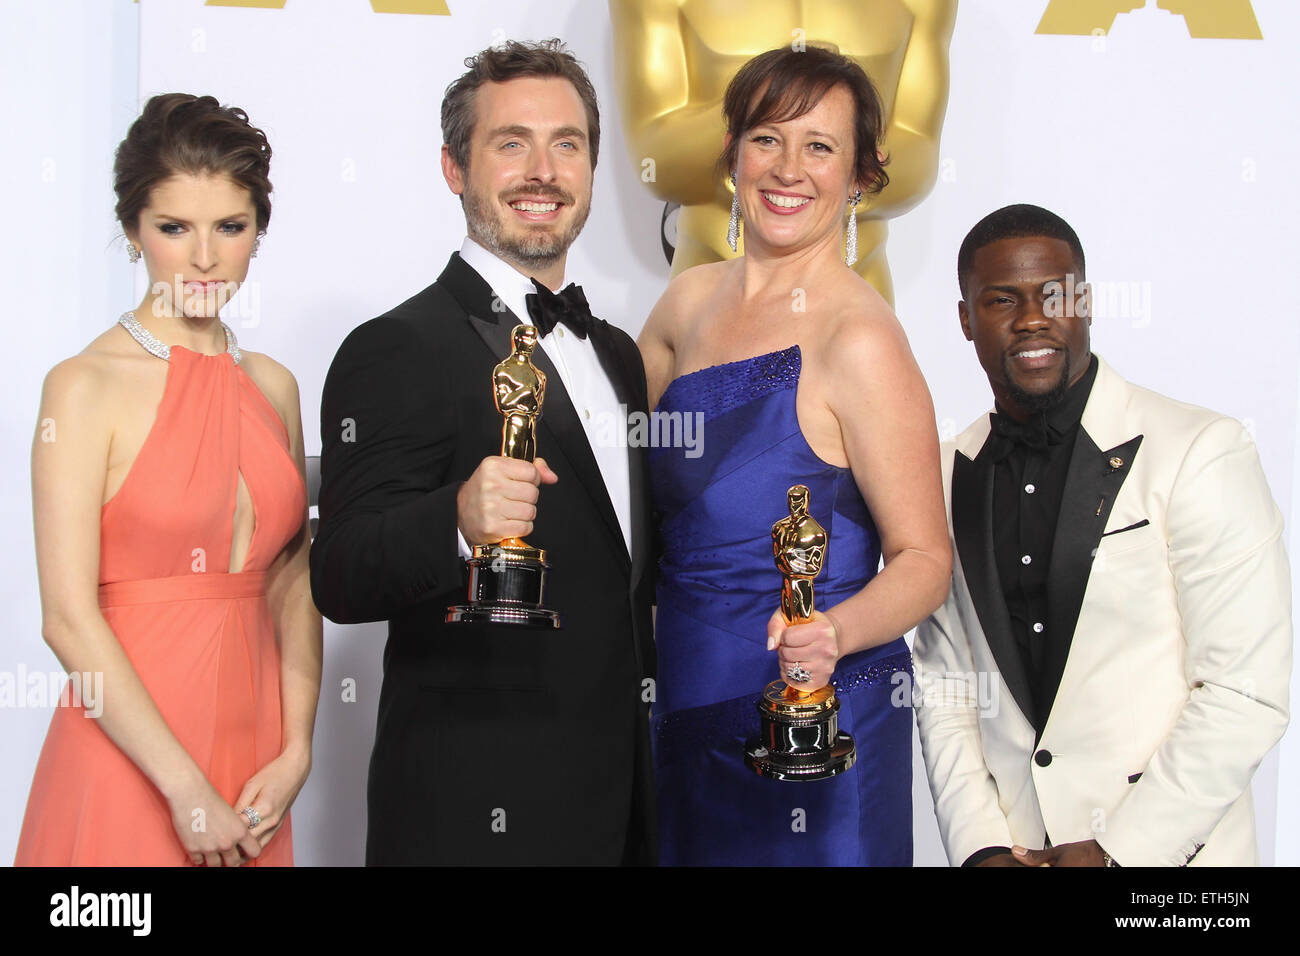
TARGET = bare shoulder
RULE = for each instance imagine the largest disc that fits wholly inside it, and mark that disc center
(706, 276)
(685, 294)
(274, 380)
(863, 333)
(96, 374)
(75, 382)
(699, 283)
(97, 393)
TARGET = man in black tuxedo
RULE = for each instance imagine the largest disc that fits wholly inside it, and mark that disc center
(498, 744)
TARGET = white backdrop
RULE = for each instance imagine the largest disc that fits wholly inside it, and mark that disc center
(1172, 158)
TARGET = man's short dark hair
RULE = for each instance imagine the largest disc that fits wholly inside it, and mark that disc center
(1015, 222)
(510, 61)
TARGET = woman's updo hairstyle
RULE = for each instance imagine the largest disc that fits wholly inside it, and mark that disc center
(183, 133)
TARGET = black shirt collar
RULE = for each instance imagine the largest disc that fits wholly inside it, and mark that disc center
(1053, 425)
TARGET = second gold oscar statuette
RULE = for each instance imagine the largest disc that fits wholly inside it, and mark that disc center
(800, 737)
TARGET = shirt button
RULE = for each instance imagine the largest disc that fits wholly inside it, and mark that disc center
(1025, 559)
(559, 330)
(1038, 627)
(1029, 489)
(586, 413)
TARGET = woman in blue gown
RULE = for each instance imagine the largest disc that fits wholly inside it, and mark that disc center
(793, 370)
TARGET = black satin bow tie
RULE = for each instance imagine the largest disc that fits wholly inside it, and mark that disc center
(1037, 433)
(569, 306)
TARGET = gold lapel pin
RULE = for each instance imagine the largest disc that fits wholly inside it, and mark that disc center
(1117, 462)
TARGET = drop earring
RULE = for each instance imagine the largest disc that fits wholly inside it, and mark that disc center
(257, 244)
(132, 253)
(733, 227)
(851, 230)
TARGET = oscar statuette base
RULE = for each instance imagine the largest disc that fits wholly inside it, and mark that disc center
(507, 585)
(800, 737)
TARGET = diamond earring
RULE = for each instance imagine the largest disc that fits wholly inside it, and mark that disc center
(132, 253)
(733, 227)
(851, 231)
(257, 244)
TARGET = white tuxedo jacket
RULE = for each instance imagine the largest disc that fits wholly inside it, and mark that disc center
(1168, 559)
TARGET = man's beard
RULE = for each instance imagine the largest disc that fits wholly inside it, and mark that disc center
(1030, 402)
(534, 248)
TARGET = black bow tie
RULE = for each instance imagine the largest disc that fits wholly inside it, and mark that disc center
(569, 306)
(1036, 433)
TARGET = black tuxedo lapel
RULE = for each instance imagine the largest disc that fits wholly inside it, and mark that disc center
(559, 425)
(972, 527)
(1091, 486)
(482, 307)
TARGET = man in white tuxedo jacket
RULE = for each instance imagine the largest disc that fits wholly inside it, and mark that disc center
(1112, 662)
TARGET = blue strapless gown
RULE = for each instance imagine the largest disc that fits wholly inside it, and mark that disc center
(717, 588)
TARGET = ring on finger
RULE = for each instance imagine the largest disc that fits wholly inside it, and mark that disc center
(254, 818)
(798, 673)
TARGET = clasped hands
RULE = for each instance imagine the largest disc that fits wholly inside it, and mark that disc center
(1084, 853)
(214, 833)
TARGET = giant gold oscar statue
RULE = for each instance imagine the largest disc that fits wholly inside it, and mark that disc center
(507, 580)
(674, 58)
(800, 737)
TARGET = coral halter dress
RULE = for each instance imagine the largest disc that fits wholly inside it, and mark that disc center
(200, 638)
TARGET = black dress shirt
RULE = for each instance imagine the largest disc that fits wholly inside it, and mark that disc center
(1028, 482)
(1031, 463)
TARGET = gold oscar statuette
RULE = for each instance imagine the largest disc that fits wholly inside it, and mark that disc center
(800, 737)
(507, 580)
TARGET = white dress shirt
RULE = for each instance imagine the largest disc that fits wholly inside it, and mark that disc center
(589, 389)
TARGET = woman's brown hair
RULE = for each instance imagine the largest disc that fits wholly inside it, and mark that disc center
(183, 133)
(783, 84)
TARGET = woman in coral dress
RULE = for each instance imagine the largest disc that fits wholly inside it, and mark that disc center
(171, 533)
